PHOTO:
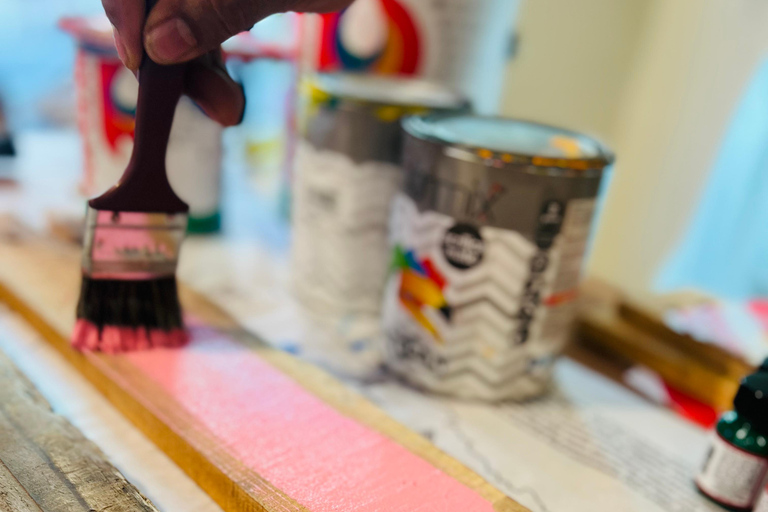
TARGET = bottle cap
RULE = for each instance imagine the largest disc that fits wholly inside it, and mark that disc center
(204, 225)
(751, 400)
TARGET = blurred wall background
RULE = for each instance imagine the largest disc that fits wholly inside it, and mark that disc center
(658, 81)
(574, 62)
(37, 59)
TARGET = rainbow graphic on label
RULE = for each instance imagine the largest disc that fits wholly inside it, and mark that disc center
(421, 286)
(377, 36)
(118, 101)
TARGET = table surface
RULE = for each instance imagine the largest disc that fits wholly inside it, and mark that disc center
(590, 445)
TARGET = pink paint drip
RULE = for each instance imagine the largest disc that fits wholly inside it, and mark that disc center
(320, 458)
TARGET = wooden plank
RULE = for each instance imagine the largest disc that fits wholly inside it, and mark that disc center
(46, 464)
(13, 496)
(601, 329)
(646, 312)
(648, 315)
(161, 394)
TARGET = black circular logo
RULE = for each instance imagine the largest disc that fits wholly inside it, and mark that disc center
(463, 246)
(550, 222)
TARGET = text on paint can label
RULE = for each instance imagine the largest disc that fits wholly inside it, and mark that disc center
(478, 311)
(732, 476)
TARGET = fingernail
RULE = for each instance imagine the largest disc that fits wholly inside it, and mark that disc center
(120, 45)
(171, 40)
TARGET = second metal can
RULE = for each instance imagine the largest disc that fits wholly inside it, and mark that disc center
(488, 237)
(347, 171)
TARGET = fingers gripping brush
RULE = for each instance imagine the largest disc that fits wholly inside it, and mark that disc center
(128, 298)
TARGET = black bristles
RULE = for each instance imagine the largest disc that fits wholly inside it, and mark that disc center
(150, 303)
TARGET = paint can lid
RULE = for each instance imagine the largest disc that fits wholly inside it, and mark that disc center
(751, 400)
(380, 91)
(498, 141)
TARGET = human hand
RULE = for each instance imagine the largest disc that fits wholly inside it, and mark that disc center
(184, 30)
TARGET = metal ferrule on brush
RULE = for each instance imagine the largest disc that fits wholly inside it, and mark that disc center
(132, 246)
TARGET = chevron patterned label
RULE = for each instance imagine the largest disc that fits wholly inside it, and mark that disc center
(479, 311)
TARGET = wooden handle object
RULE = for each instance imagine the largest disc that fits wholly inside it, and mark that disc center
(144, 186)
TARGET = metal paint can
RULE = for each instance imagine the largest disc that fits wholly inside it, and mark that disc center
(347, 171)
(488, 237)
(463, 44)
(106, 106)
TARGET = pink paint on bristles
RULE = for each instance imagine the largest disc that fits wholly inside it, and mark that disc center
(111, 340)
(171, 339)
(179, 338)
(79, 333)
(91, 339)
(142, 341)
(86, 337)
(130, 339)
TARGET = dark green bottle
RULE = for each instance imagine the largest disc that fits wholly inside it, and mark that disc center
(736, 466)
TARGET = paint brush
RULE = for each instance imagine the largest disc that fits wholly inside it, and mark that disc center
(128, 298)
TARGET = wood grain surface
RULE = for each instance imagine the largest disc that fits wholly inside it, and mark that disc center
(648, 315)
(40, 279)
(599, 327)
(46, 464)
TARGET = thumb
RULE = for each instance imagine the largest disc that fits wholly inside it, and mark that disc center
(180, 30)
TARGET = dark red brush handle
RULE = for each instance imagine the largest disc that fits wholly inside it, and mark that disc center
(144, 186)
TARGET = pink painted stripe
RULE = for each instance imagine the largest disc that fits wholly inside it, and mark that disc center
(322, 459)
